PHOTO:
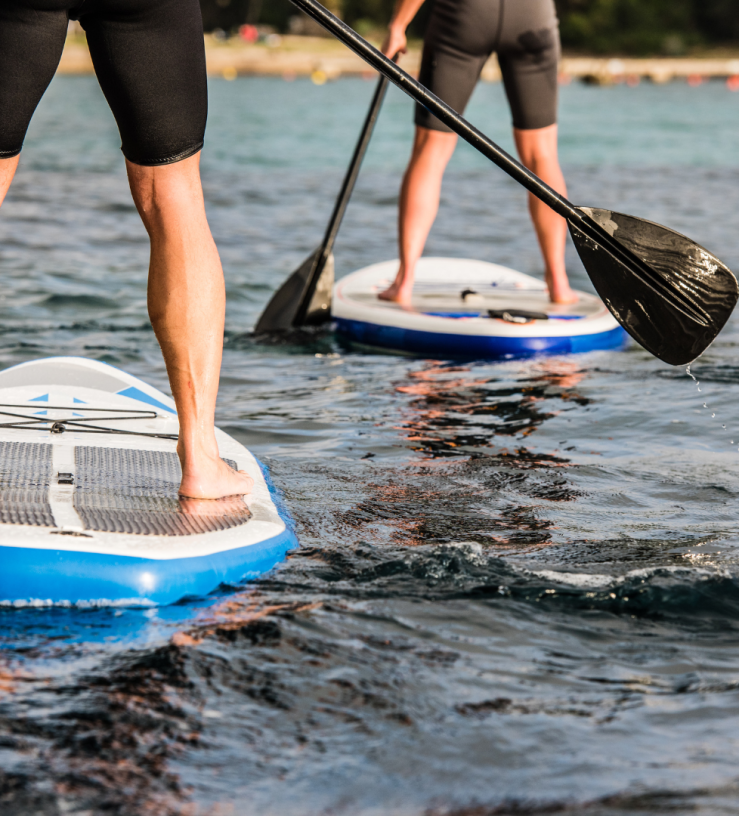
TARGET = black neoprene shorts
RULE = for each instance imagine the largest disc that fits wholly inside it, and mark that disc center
(149, 58)
(462, 34)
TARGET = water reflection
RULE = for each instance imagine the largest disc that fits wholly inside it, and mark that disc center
(456, 411)
(468, 482)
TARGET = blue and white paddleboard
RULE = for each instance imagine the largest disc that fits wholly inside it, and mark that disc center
(89, 512)
(469, 309)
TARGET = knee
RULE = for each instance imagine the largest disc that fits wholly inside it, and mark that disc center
(166, 192)
(433, 144)
(7, 172)
(149, 194)
(432, 150)
(537, 148)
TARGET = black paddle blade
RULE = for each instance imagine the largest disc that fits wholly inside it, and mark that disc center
(297, 302)
(671, 295)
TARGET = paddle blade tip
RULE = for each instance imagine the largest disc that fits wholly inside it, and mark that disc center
(670, 294)
(303, 299)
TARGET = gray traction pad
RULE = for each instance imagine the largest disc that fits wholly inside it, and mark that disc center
(135, 491)
(25, 476)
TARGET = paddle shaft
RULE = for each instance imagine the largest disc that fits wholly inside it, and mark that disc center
(441, 110)
(352, 172)
(342, 202)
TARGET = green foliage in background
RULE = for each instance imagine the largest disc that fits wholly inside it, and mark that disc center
(372, 16)
(368, 17)
(629, 26)
(648, 27)
(718, 19)
(669, 27)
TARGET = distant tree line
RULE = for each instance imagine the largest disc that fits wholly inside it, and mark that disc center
(670, 27)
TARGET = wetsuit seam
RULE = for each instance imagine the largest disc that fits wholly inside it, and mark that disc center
(454, 37)
(9, 154)
(77, 10)
(499, 34)
(183, 154)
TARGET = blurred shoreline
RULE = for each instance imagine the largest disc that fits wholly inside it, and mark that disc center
(325, 59)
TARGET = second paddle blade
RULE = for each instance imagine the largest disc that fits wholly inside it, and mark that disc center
(303, 299)
(669, 293)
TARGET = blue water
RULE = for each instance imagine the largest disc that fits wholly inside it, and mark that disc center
(518, 586)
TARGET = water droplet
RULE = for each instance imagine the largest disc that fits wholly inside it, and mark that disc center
(705, 404)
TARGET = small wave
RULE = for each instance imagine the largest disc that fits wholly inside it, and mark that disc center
(577, 579)
(688, 595)
(589, 579)
(81, 301)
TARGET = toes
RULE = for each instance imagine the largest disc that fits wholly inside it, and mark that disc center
(249, 481)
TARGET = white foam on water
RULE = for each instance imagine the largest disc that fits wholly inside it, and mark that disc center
(93, 603)
(472, 550)
(701, 572)
(578, 579)
(597, 580)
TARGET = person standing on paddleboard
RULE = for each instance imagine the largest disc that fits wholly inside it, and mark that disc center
(461, 36)
(149, 58)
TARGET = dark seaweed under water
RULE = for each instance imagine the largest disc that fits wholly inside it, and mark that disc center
(518, 585)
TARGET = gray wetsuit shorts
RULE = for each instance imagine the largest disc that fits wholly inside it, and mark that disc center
(462, 34)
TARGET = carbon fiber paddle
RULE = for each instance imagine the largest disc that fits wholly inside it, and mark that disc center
(670, 294)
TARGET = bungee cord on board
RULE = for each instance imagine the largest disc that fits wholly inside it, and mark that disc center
(78, 423)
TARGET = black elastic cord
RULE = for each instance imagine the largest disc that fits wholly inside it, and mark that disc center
(79, 424)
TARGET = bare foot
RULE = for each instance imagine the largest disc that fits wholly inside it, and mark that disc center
(563, 295)
(401, 293)
(227, 506)
(211, 478)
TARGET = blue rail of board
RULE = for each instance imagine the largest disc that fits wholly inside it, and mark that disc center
(475, 347)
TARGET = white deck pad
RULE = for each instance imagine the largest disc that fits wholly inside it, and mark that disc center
(469, 308)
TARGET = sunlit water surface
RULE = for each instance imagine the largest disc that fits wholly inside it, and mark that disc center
(517, 589)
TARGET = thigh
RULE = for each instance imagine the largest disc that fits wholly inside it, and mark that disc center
(528, 54)
(461, 35)
(149, 58)
(32, 38)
